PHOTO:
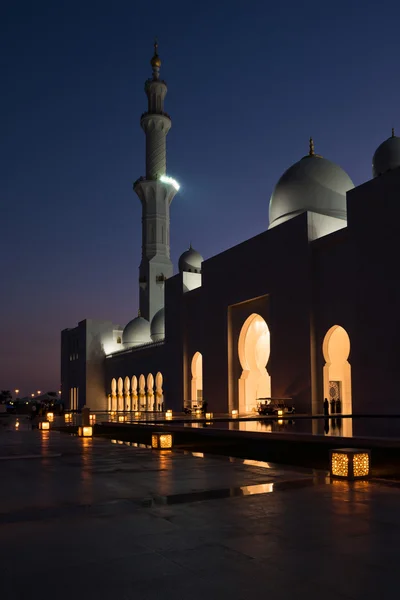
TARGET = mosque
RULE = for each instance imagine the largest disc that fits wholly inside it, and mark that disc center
(307, 310)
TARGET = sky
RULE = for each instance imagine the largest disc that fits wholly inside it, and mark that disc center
(248, 83)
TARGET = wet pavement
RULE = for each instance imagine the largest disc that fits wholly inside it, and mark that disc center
(90, 518)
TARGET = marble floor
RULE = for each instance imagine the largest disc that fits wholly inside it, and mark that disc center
(87, 518)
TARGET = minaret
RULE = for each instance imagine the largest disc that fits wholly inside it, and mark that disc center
(156, 192)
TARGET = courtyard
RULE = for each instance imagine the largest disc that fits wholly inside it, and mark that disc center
(102, 518)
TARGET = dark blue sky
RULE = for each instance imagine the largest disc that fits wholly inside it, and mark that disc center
(248, 83)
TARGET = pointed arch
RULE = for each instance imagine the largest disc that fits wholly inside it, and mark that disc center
(159, 391)
(337, 369)
(197, 380)
(254, 351)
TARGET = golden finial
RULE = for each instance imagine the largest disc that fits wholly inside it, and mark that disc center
(155, 61)
(392, 131)
(311, 151)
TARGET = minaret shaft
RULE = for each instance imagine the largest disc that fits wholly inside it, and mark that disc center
(156, 196)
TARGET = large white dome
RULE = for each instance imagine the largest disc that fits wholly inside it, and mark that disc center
(387, 156)
(157, 329)
(136, 333)
(313, 184)
(190, 261)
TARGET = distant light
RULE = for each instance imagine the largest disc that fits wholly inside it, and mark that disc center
(16, 391)
(173, 182)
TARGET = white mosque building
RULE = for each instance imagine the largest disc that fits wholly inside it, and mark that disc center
(307, 310)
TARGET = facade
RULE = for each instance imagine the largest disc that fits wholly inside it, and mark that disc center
(306, 310)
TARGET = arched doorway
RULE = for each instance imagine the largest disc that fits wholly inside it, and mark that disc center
(337, 369)
(113, 394)
(254, 351)
(127, 385)
(120, 386)
(159, 392)
(197, 380)
(150, 392)
(134, 393)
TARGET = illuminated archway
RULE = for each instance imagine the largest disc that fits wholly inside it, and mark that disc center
(120, 385)
(113, 394)
(159, 391)
(150, 392)
(134, 393)
(337, 369)
(197, 380)
(127, 395)
(142, 392)
(254, 351)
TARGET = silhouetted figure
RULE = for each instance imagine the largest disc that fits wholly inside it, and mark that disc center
(326, 425)
(204, 407)
(333, 407)
(326, 407)
(338, 406)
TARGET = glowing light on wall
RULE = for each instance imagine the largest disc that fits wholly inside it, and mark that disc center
(350, 463)
(44, 425)
(173, 182)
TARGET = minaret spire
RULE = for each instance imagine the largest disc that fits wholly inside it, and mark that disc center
(311, 151)
(156, 192)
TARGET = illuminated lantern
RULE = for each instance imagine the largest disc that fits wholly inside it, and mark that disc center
(198, 412)
(45, 425)
(50, 417)
(68, 417)
(122, 418)
(92, 418)
(137, 414)
(351, 463)
(280, 412)
(168, 414)
(85, 431)
(209, 415)
(235, 412)
(161, 440)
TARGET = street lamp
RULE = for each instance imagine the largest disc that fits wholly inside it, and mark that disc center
(39, 392)
(16, 391)
(33, 395)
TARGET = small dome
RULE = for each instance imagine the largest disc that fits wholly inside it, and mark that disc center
(190, 261)
(137, 332)
(313, 184)
(387, 156)
(157, 329)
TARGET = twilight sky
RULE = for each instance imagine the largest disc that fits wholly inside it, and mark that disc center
(249, 82)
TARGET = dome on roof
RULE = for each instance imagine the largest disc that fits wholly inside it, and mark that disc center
(387, 156)
(190, 261)
(136, 332)
(312, 184)
(157, 329)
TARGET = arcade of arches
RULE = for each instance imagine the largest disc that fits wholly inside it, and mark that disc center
(137, 393)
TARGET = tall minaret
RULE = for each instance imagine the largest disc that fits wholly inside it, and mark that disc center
(156, 192)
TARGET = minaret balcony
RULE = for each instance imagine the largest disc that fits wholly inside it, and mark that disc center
(152, 114)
